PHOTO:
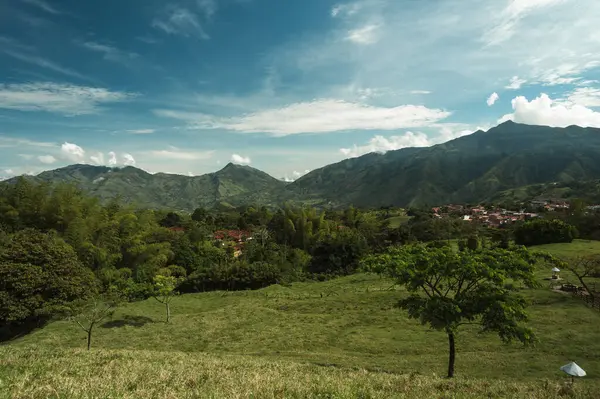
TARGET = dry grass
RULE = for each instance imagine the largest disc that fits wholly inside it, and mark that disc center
(31, 373)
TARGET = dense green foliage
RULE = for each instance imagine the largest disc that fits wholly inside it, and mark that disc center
(544, 231)
(39, 276)
(511, 162)
(59, 245)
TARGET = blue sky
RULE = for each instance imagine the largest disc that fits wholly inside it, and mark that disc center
(186, 86)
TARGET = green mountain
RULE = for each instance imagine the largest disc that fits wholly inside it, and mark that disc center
(233, 185)
(473, 168)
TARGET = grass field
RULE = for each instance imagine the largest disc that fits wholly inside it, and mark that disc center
(337, 339)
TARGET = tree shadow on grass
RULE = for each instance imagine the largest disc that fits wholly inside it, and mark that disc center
(128, 320)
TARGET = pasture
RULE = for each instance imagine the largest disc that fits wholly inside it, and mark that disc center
(337, 339)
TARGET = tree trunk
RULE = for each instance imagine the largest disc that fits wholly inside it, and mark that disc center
(168, 312)
(452, 356)
(89, 337)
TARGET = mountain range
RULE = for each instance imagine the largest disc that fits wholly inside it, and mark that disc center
(472, 168)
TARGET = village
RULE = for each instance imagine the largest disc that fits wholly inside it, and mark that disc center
(495, 216)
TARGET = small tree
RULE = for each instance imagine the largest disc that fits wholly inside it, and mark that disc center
(88, 314)
(449, 289)
(584, 268)
(164, 291)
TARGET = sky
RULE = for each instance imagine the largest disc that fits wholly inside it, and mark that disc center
(186, 86)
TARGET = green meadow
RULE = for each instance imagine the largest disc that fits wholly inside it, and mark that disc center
(337, 339)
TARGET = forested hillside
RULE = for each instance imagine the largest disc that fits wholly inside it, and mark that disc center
(482, 166)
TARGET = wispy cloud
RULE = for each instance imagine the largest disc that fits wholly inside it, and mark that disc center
(585, 96)
(141, 131)
(321, 116)
(366, 35)
(44, 63)
(111, 53)
(509, 18)
(181, 21)
(174, 153)
(515, 83)
(419, 36)
(41, 4)
(46, 159)
(6, 141)
(58, 98)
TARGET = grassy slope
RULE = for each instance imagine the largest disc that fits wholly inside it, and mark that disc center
(266, 341)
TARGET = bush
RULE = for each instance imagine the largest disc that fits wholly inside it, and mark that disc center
(238, 275)
(543, 231)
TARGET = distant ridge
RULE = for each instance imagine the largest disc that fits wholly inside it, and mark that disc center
(471, 168)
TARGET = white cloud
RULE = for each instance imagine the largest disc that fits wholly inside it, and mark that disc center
(585, 96)
(112, 159)
(382, 144)
(58, 98)
(295, 175)
(184, 22)
(369, 34)
(299, 174)
(236, 158)
(97, 159)
(415, 49)
(111, 53)
(515, 83)
(47, 159)
(141, 131)
(72, 152)
(319, 116)
(420, 92)
(176, 153)
(128, 160)
(492, 99)
(544, 111)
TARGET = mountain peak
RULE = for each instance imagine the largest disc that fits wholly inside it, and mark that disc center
(234, 166)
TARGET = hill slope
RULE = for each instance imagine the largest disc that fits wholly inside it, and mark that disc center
(234, 184)
(468, 169)
(325, 335)
(473, 168)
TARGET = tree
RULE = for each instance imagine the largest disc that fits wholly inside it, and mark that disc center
(39, 275)
(584, 268)
(87, 314)
(338, 253)
(164, 291)
(449, 289)
(543, 231)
